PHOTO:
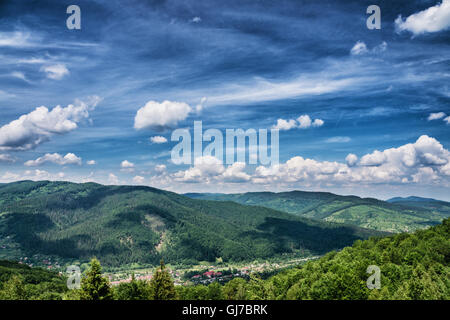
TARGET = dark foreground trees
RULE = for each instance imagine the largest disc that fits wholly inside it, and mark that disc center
(94, 286)
(161, 285)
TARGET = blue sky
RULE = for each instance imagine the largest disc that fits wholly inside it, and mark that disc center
(382, 95)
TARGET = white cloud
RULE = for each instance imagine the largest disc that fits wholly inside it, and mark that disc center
(359, 48)
(376, 158)
(201, 105)
(285, 124)
(380, 48)
(36, 127)
(56, 158)
(34, 175)
(160, 115)
(436, 116)
(351, 159)
(160, 168)
(302, 122)
(91, 162)
(447, 119)
(14, 39)
(196, 19)
(19, 75)
(203, 170)
(138, 180)
(235, 173)
(126, 164)
(425, 161)
(6, 158)
(158, 139)
(112, 179)
(338, 140)
(433, 19)
(56, 71)
(318, 123)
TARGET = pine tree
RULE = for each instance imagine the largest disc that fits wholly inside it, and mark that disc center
(94, 286)
(161, 285)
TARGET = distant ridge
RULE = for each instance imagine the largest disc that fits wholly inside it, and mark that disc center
(411, 198)
(395, 215)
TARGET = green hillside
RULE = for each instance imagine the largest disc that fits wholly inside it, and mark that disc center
(413, 266)
(129, 224)
(436, 206)
(21, 282)
(363, 212)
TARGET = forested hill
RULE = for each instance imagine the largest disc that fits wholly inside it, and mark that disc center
(135, 224)
(412, 266)
(401, 216)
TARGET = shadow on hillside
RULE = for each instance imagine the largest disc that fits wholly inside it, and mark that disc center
(288, 235)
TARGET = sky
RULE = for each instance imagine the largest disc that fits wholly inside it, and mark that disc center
(359, 111)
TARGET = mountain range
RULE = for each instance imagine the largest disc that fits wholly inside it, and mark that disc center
(64, 222)
(394, 215)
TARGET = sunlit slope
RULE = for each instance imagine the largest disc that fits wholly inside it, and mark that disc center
(363, 212)
(133, 224)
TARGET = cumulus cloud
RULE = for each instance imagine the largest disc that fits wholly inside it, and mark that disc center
(36, 127)
(138, 180)
(203, 170)
(302, 122)
(318, 123)
(56, 71)
(158, 139)
(425, 161)
(235, 173)
(359, 48)
(91, 162)
(56, 158)
(433, 19)
(285, 124)
(161, 115)
(112, 179)
(351, 159)
(127, 166)
(34, 175)
(436, 116)
(375, 158)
